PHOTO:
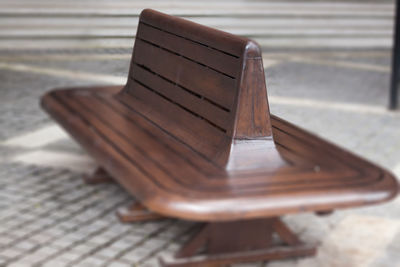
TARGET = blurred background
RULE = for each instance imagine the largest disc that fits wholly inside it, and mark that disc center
(327, 66)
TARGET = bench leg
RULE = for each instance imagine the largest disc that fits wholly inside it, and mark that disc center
(136, 212)
(324, 212)
(227, 243)
(97, 177)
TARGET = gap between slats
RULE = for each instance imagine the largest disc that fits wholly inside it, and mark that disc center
(218, 89)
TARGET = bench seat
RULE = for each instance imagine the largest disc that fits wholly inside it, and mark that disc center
(171, 178)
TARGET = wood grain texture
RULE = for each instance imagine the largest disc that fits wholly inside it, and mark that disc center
(136, 212)
(190, 134)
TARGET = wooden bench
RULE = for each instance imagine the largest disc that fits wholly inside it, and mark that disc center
(190, 137)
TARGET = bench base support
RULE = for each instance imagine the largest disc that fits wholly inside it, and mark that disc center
(99, 176)
(136, 212)
(242, 241)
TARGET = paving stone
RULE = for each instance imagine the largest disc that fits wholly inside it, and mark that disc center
(20, 264)
(91, 261)
(119, 264)
(121, 245)
(82, 249)
(55, 262)
(69, 256)
(99, 240)
(41, 238)
(11, 253)
(133, 256)
(391, 255)
(26, 245)
(108, 253)
(152, 262)
(34, 258)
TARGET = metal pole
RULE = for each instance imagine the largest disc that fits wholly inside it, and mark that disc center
(393, 101)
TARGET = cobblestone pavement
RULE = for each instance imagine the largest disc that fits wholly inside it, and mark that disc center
(49, 217)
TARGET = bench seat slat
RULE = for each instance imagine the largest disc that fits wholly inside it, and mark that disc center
(149, 159)
(186, 100)
(196, 160)
(192, 130)
(167, 158)
(303, 150)
(314, 141)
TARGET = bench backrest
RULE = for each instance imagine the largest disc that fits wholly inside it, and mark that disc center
(203, 86)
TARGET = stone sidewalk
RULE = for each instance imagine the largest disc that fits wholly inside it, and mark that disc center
(49, 217)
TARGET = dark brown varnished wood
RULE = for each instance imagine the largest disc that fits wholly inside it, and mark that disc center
(324, 212)
(99, 176)
(191, 137)
(175, 180)
(136, 212)
(222, 243)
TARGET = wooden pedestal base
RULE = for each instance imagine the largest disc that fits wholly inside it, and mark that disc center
(324, 213)
(136, 212)
(242, 241)
(97, 177)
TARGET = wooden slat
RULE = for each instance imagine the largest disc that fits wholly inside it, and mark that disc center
(105, 153)
(184, 98)
(231, 194)
(168, 158)
(213, 38)
(193, 50)
(137, 157)
(195, 159)
(206, 82)
(303, 149)
(190, 155)
(165, 171)
(195, 132)
(149, 154)
(121, 119)
(160, 154)
(287, 129)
